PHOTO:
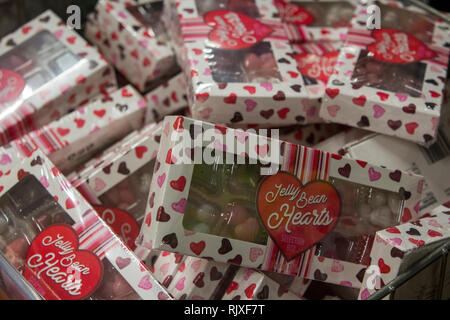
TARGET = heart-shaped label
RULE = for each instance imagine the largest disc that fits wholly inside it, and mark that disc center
(296, 216)
(57, 269)
(233, 30)
(317, 66)
(11, 85)
(121, 222)
(292, 13)
(395, 46)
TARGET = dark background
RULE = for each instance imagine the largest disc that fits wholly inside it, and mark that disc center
(14, 13)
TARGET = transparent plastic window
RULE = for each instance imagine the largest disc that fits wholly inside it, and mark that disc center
(222, 202)
(406, 78)
(334, 14)
(365, 210)
(254, 64)
(22, 218)
(36, 61)
(150, 15)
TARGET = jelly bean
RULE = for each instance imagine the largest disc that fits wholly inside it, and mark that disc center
(206, 213)
(248, 230)
(127, 196)
(201, 228)
(252, 62)
(235, 214)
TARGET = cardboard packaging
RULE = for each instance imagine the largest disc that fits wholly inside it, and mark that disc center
(46, 70)
(212, 208)
(390, 80)
(56, 240)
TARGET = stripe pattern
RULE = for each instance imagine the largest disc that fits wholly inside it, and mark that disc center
(307, 165)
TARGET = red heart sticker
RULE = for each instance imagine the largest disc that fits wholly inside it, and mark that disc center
(233, 30)
(121, 222)
(57, 269)
(395, 46)
(11, 85)
(296, 216)
(292, 13)
(316, 66)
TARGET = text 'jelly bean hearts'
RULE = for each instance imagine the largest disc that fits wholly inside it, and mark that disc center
(58, 268)
(297, 216)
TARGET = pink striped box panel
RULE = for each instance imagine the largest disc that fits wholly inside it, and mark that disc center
(117, 183)
(396, 249)
(316, 20)
(57, 241)
(133, 38)
(46, 70)
(390, 80)
(238, 62)
(74, 138)
(245, 199)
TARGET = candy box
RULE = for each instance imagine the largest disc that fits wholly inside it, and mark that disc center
(398, 248)
(117, 183)
(133, 37)
(239, 63)
(46, 70)
(76, 137)
(316, 20)
(249, 284)
(200, 279)
(295, 285)
(390, 80)
(56, 240)
(214, 205)
(164, 265)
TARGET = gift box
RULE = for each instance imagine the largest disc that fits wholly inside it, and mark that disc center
(295, 285)
(46, 70)
(239, 63)
(213, 205)
(117, 183)
(76, 137)
(249, 284)
(164, 265)
(390, 80)
(57, 241)
(133, 38)
(200, 279)
(318, 20)
(398, 248)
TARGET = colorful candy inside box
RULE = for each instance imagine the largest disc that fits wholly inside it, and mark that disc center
(325, 211)
(58, 242)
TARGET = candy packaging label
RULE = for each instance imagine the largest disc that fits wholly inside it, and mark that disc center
(58, 242)
(210, 210)
(46, 69)
(390, 80)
